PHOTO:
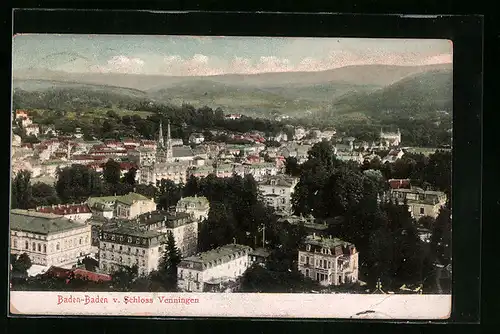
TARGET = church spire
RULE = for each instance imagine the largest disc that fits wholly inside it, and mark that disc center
(160, 136)
(169, 138)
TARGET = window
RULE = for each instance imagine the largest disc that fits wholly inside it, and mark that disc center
(143, 252)
(180, 273)
(422, 211)
(15, 243)
(307, 272)
(33, 247)
(27, 245)
(80, 241)
(308, 248)
(39, 247)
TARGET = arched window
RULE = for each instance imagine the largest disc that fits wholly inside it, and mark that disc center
(39, 247)
(27, 245)
(33, 247)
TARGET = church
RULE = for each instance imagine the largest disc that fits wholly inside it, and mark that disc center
(390, 139)
(170, 162)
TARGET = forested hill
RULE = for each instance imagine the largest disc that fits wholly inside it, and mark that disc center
(425, 92)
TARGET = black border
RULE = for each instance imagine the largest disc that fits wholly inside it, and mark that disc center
(465, 32)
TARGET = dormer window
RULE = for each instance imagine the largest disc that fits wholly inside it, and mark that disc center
(308, 248)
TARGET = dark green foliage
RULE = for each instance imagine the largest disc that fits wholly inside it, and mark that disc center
(111, 172)
(168, 194)
(77, 183)
(167, 267)
(21, 191)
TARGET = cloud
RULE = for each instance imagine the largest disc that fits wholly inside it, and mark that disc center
(205, 65)
(122, 64)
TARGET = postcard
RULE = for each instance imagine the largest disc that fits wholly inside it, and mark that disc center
(224, 176)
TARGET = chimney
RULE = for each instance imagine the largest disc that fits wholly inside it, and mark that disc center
(329, 237)
(314, 235)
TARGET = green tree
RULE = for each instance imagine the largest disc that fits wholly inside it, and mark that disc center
(129, 177)
(168, 193)
(441, 236)
(292, 166)
(148, 190)
(191, 187)
(22, 197)
(44, 194)
(168, 263)
(22, 264)
(77, 183)
(111, 172)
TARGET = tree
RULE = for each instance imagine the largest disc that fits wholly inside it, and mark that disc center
(168, 263)
(168, 194)
(130, 176)
(22, 190)
(324, 154)
(44, 194)
(441, 236)
(292, 166)
(111, 172)
(22, 264)
(123, 278)
(191, 187)
(77, 183)
(148, 190)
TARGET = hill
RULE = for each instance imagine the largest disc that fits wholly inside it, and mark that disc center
(417, 94)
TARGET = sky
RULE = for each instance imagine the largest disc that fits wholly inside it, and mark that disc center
(209, 55)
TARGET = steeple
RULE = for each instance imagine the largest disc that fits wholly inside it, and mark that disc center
(160, 136)
(169, 138)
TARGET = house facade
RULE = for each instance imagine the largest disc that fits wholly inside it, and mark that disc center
(420, 202)
(277, 191)
(201, 272)
(132, 205)
(329, 261)
(197, 207)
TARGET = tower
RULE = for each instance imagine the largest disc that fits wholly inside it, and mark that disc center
(68, 151)
(160, 136)
(169, 141)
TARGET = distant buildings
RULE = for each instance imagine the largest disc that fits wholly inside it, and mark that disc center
(197, 207)
(126, 206)
(48, 239)
(207, 271)
(277, 191)
(196, 138)
(389, 139)
(77, 212)
(328, 261)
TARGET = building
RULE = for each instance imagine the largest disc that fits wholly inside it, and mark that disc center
(208, 270)
(132, 205)
(175, 171)
(32, 130)
(258, 256)
(143, 156)
(259, 171)
(329, 261)
(393, 155)
(196, 138)
(311, 225)
(350, 156)
(77, 212)
(48, 239)
(399, 183)
(420, 202)
(197, 207)
(126, 245)
(126, 206)
(389, 139)
(277, 191)
(182, 225)
(141, 241)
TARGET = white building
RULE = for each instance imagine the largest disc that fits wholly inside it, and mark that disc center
(196, 138)
(197, 207)
(393, 155)
(277, 191)
(260, 170)
(48, 239)
(174, 171)
(143, 156)
(388, 139)
(350, 156)
(206, 270)
(126, 206)
(32, 130)
(300, 133)
(328, 261)
(141, 242)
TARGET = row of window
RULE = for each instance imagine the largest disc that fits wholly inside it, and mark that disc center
(121, 248)
(127, 260)
(122, 238)
(38, 247)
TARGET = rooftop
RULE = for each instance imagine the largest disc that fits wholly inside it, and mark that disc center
(182, 151)
(131, 198)
(40, 223)
(221, 253)
(200, 201)
(66, 209)
(325, 242)
(279, 181)
(131, 229)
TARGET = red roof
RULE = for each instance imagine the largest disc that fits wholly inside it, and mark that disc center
(92, 276)
(58, 272)
(399, 183)
(127, 165)
(66, 209)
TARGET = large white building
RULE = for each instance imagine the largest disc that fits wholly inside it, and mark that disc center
(77, 212)
(141, 241)
(48, 239)
(328, 261)
(197, 207)
(388, 139)
(208, 270)
(277, 191)
(126, 206)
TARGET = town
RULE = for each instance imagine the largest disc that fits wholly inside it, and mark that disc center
(293, 209)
